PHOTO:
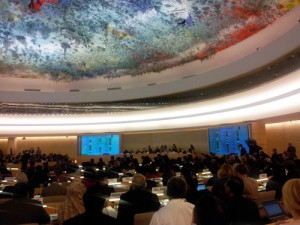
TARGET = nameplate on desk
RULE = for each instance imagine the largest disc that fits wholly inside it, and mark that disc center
(115, 196)
(9, 178)
(53, 217)
(158, 179)
(262, 176)
(126, 179)
(112, 181)
(38, 198)
(159, 190)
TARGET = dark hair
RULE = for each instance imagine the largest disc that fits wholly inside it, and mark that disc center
(210, 210)
(236, 185)
(176, 187)
(90, 173)
(101, 175)
(93, 199)
(241, 169)
(191, 181)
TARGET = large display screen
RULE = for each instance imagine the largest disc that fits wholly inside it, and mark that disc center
(105, 144)
(225, 140)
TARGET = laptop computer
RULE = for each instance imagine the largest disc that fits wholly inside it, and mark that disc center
(201, 187)
(274, 210)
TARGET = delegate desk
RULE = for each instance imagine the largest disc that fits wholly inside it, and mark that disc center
(8, 181)
(204, 176)
(112, 202)
(262, 182)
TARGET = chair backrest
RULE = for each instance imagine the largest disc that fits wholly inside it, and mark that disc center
(143, 218)
(264, 196)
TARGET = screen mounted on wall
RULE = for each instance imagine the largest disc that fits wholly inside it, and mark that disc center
(104, 144)
(226, 140)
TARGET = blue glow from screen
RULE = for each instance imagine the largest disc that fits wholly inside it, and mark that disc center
(100, 145)
(225, 140)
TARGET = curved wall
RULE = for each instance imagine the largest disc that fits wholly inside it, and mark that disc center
(276, 98)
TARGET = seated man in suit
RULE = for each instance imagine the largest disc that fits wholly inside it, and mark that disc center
(20, 209)
(242, 209)
(136, 200)
(54, 188)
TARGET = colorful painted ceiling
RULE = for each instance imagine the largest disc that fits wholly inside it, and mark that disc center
(75, 39)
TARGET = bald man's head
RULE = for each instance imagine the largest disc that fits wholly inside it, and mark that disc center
(138, 181)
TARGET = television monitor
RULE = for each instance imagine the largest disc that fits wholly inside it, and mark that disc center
(104, 144)
(225, 140)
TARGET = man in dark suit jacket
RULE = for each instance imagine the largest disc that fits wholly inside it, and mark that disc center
(242, 209)
(22, 210)
(136, 200)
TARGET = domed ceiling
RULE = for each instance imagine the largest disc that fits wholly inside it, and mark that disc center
(65, 40)
(69, 42)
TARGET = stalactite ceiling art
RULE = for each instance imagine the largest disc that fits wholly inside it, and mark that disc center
(66, 40)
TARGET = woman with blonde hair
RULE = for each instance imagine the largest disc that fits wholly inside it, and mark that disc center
(225, 172)
(291, 199)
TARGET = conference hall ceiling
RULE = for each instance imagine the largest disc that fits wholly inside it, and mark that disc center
(74, 40)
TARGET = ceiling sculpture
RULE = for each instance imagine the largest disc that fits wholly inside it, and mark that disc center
(184, 63)
(65, 40)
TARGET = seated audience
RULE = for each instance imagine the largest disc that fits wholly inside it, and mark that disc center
(136, 200)
(93, 204)
(19, 189)
(20, 209)
(178, 211)
(291, 200)
(103, 184)
(268, 166)
(277, 181)
(167, 173)
(210, 210)
(73, 204)
(250, 184)
(293, 168)
(224, 173)
(4, 172)
(54, 189)
(253, 167)
(192, 194)
(242, 210)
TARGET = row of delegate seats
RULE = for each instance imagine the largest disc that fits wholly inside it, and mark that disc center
(145, 218)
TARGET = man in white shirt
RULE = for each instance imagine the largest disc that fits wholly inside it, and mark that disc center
(178, 211)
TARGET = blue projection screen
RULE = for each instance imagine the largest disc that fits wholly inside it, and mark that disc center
(225, 140)
(106, 144)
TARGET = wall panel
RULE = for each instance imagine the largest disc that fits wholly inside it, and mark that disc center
(280, 134)
(182, 139)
